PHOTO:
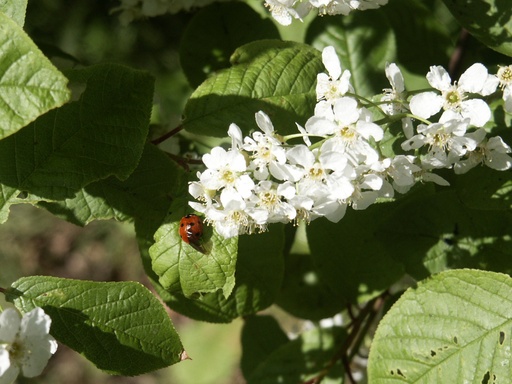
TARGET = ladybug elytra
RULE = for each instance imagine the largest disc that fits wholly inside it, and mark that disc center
(191, 231)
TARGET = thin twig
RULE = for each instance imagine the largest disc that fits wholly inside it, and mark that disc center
(454, 66)
(171, 133)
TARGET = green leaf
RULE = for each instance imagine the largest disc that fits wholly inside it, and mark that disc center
(419, 37)
(15, 9)
(261, 335)
(102, 134)
(349, 255)
(431, 233)
(214, 33)
(259, 272)
(452, 328)
(30, 85)
(304, 294)
(144, 197)
(488, 20)
(121, 327)
(302, 359)
(364, 42)
(494, 190)
(276, 77)
(181, 267)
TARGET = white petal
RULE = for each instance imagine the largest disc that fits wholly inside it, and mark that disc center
(439, 78)
(395, 77)
(497, 144)
(367, 199)
(368, 130)
(5, 361)
(324, 109)
(35, 323)
(372, 182)
(9, 325)
(507, 97)
(263, 121)
(336, 212)
(477, 110)
(10, 375)
(490, 85)
(426, 104)
(414, 142)
(474, 78)
(346, 111)
(407, 127)
(435, 179)
(320, 126)
(331, 62)
(301, 155)
(305, 136)
(235, 133)
(499, 161)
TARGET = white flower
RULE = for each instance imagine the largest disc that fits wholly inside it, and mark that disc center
(397, 96)
(453, 98)
(235, 216)
(492, 152)
(334, 85)
(505, 79)
(268, 154)
(25, 344)
(351, 129)
(397, 92)
(284, 11)
(447, 142)
(225, 169)
(332, 7)
(270, 196)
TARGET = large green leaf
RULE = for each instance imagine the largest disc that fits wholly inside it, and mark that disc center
(452, 328)
(349, 255)
(431, 233)
(121, 327)
(215, 32)
(436, 43)
(276, 77)
(29, 84)
(143, 198)
(182, 268)
(259, 273)
(364, 42)
(15, 9)
(304, 293)
(101, 134)
(490, 21)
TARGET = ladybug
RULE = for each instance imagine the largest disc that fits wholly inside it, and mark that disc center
(191, 231)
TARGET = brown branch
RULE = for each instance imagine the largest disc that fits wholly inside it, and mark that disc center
(454, 66)
(360, 325)
(171, 133)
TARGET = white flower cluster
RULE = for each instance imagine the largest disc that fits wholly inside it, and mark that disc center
(25, 344)
(263, 179)
(284, 11)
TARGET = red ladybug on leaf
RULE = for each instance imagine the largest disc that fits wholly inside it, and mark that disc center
(191, 231)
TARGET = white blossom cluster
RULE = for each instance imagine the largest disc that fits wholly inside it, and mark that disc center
(25, 344)
(263, 179)
(284, 11)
